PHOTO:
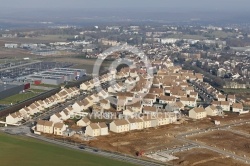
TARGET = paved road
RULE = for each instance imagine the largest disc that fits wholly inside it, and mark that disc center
(239, 133)
(203, 94)
(180, 149)
(12, 67)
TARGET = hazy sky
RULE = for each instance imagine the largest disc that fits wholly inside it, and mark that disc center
(154, 5)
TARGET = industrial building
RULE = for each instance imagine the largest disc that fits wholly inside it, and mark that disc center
(55, 76)
(78, 72)
(7, 90)
(43, 79)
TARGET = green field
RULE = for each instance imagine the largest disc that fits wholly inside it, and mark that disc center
(37, 90)
(18, 98)
(22, 151)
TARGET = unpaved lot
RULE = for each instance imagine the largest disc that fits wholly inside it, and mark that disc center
(245, 128)
(204, 157)
(225, 139)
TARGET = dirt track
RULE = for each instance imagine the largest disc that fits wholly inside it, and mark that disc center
(204, 157)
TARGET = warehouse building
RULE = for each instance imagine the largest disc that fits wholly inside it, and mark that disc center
(55, 76)
(46, 79)
(77, 72)
(7, 90)
(66, 76)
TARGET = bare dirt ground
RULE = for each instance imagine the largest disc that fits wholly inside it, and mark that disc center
(153, 139)
(40, 39)
(232, 118)
(160, 138)
(243, 128)
(225, 139)
(203, 157)
(148, 140)
(87, 64)
(13, 53)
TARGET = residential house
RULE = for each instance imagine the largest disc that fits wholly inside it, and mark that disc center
(150, 110)
(55, 118)
(90, 100)
(221, 97)
(163, 119)
(81, 105)
(85, 86)
(156, 91)
(148, 99)
(237, 107)
(59, 128)
(225, 105)
(194, 95)
(40, 126)
(167, 99)
(105, 104)
(95, 98)
(197, 113)
(93, 130)
(48, 127)
(40, 105)
(83, 122)
(231, 99)
(132, 124)
(65, 114)
(139, 123)
(149, 122)
(97, 110)
(103, 128)
(128, 113)
(14, 118)
(103, 94)
(188, 101)
(178, 93)
(189, 90)
(134, 106)
(33, 109)
(25, 112)
(121, 104)
(130, 81)
(211, 110)
(119, 126)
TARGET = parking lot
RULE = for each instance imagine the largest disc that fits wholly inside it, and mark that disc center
(11, 71)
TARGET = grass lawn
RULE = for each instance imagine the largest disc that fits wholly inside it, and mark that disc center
(22, 151)
(37, 90)
(48, 85)
(18, 98)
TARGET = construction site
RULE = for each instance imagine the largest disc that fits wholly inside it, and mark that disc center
(164, 144)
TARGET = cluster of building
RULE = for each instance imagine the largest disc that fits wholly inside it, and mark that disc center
(155, 99)
(233, 68)
(10, 89)
(41, 105)
(55, 76)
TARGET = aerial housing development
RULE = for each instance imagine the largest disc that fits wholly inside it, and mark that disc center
(125, 87)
